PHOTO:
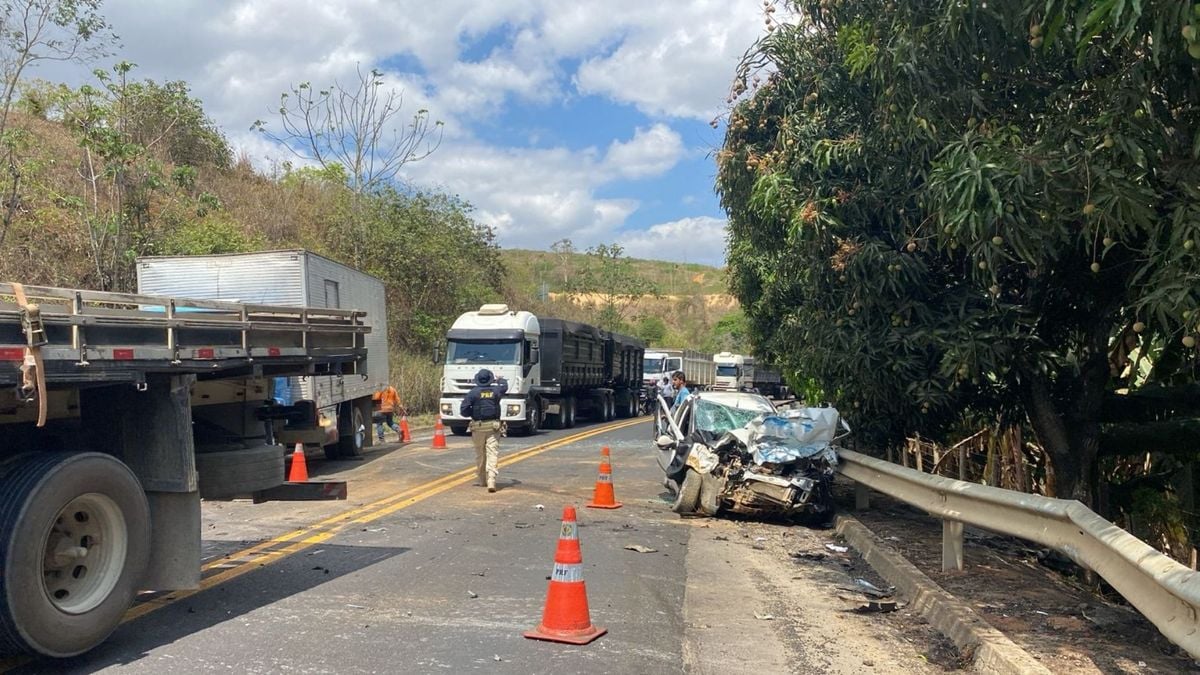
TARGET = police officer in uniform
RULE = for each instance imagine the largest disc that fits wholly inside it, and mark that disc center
(482, 405)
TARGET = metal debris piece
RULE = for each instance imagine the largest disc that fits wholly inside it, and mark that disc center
(521, 526)
(472, 594)
(878, 607)
(871, 588)
(837, 549)
(496, 657)
(540, 507)
(764, 617)
(640, 549)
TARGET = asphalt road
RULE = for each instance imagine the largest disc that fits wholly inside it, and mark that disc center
(422, 572)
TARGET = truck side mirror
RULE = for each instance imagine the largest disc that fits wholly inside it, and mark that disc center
(535, 355)
(437, 356)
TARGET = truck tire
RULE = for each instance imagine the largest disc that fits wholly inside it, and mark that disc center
(229, 473)
(570, 403)
(74, 544)
(558, 420)
(533, 420)
(353, 444)
(687, 500)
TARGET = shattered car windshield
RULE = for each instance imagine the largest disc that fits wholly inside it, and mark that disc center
(718, 418)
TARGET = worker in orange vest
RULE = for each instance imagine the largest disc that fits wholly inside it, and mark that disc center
(387, 403)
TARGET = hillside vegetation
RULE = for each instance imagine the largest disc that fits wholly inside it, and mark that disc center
(96, 176)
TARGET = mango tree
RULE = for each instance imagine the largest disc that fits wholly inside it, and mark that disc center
(941, 207)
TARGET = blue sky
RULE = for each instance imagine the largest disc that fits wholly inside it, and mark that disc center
(580, 120)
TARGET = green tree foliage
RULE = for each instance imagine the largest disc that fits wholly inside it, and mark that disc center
(434, 259)
(652, 329)
(730, 334)
(938, 206)
(31, 32)
(613, 284)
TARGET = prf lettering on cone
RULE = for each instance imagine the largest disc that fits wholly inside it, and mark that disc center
(603, 497)
(566, 617)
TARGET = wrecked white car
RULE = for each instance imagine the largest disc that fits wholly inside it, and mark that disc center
(733, 451)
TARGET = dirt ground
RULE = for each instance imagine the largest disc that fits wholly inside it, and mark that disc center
(818, 609)
(1030, 597)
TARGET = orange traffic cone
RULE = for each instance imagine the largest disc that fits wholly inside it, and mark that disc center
(565, 617)
(405, 436)
(299, 471)
(603, 497)
(439, 434)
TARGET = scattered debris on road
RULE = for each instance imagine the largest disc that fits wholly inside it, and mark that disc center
(764, 617)
(472, 594)
(640, 549)
(837, 549)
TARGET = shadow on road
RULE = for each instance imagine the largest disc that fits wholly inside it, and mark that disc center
(236, 598)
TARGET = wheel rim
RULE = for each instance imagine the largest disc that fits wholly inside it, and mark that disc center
(84, 553)
(360, 429)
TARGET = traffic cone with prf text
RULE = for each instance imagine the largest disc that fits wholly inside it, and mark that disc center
(439, 434)
(603, 497)
(298, 473)
(566, 617)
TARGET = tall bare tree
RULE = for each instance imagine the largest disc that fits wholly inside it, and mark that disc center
(359, 128)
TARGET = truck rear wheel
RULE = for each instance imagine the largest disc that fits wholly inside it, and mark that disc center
(74, 544)
(352, 444)
(570, 403)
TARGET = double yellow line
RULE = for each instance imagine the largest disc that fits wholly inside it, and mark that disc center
(273, 550)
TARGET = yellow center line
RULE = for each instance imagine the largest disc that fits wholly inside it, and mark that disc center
(258, 556)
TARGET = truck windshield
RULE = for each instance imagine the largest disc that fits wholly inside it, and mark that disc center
(652, 366)
(503, 353)
(727, 371)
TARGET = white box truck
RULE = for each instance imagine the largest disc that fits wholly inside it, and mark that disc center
(293, 278)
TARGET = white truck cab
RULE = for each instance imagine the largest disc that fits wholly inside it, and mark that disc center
(732, 372)
(504, 341)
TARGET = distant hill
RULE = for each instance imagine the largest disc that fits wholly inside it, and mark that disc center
(528, 270)
(693, 304)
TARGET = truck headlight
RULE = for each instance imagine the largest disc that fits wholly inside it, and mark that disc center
(447, 409)
(513, 410)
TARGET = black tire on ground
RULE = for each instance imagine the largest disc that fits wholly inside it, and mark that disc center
(710, 491)
(688, 498)
(352, 445)
(458, 429)
(231, 473)
(56, 509)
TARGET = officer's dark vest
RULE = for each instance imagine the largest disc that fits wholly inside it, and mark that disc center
(487, 406)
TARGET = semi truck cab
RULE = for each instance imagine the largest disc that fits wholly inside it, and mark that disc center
(504, 341)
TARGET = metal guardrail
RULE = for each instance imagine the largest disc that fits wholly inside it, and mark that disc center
(1163, 590)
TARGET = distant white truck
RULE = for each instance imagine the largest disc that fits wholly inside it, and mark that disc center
(738, 372)
(697, 367)
(293, 278)
(731, 372)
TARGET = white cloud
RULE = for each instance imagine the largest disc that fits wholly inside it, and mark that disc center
(671, 61)
(651, 152)
(694, 240)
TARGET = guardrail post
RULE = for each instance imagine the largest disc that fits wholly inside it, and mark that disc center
(952, 545)
(862, 497)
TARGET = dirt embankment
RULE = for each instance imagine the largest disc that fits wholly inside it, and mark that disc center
(718, 302)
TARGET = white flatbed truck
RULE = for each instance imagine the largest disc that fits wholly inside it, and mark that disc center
(101, 442)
